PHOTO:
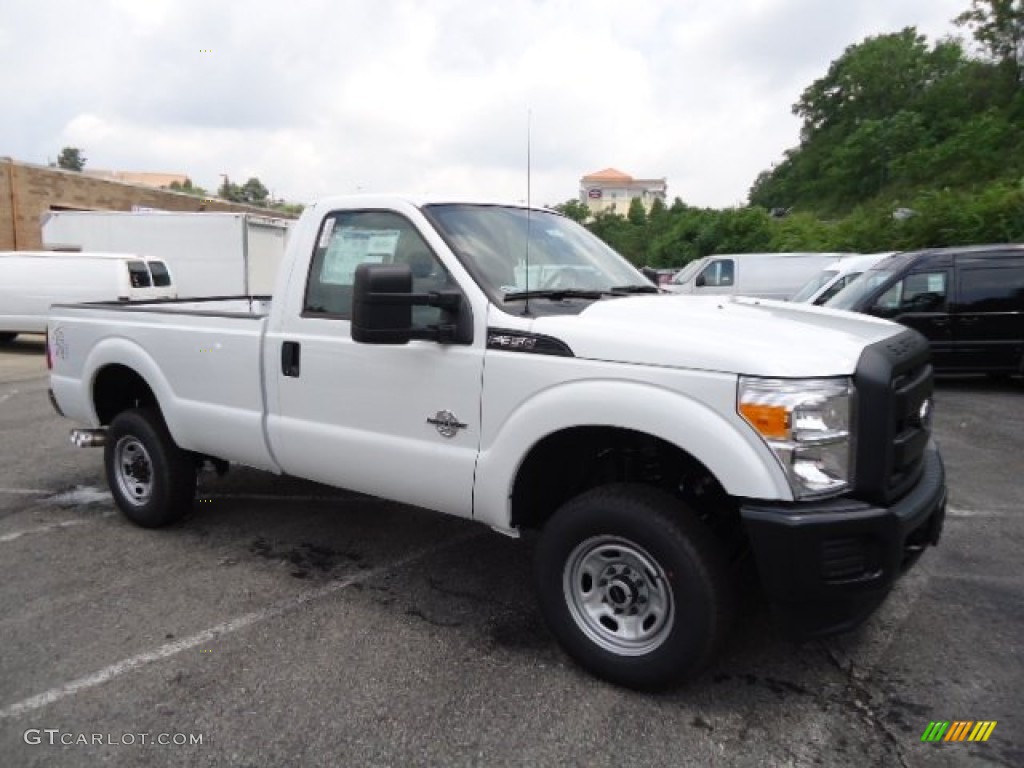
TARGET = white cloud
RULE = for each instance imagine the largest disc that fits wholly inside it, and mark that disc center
(318, 97)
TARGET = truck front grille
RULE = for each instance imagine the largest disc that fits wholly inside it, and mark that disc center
(894, 389)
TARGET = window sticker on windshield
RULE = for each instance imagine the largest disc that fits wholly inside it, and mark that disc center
(351, 247)
(936, 283)
(325, 235)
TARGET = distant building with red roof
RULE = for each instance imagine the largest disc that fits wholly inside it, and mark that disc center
(613, 190)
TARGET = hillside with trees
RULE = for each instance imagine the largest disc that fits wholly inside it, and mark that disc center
(904, 143)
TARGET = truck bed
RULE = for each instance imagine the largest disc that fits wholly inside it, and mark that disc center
(202, 358)
(214, 306)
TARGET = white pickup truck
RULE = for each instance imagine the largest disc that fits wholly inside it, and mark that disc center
(500, 363)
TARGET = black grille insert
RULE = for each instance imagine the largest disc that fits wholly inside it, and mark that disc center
(894, 383)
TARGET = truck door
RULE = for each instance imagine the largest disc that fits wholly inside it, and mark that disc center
(988, 325)
(397, 421)
(920, 301)
(719, 276)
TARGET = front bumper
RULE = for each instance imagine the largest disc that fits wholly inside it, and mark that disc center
(827, 565)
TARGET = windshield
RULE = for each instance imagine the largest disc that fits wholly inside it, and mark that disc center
(687, 272)
(812, 286)
(852, 295)
(491, 241)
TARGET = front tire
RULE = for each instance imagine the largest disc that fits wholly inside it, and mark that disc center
(153, 481)
(633, 586)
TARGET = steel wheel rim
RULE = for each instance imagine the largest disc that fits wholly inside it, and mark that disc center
(618, 595)
(133, 470)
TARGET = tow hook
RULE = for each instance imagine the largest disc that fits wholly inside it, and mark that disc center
(88, 438)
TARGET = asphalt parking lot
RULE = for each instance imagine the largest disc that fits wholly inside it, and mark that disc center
(285, 623)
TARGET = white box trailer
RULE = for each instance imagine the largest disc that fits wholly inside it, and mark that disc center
(211, 254)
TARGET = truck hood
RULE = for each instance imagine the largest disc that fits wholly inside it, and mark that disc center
(739, 335)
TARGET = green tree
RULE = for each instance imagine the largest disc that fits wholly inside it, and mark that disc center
(573, 209)
(998, 26)
(636, 215)
(187, 187)
(289, 209)
(620, 234)
(658, 222)
(71, 159)
(872, 80)
(894, 114)
(228, 190)
(254, 192)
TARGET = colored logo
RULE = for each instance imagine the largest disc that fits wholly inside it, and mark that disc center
(594, 194)
(958, 730)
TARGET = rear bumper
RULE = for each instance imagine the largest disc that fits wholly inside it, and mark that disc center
(827, 565)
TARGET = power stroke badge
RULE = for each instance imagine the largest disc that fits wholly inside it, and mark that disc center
(447, 423)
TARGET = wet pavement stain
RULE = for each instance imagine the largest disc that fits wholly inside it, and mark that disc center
(305, 559)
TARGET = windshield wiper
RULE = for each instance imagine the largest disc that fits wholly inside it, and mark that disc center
(620, 289)
(555, 294)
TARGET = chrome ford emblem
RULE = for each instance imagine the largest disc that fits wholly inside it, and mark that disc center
(924, 413)
(447, 423)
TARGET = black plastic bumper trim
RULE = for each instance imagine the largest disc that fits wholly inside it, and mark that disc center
(791, 545)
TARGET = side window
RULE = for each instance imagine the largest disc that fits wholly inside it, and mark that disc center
(718, 273)
(161, 277)
(992, 289)
(138, 274)
(919, 292)
(350, 238)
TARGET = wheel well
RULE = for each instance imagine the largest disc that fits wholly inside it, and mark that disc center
(118, 388)
(567, 463)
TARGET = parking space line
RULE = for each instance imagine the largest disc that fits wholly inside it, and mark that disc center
(239, 496)
(52, 527)
(278, 497)
(90, 495)
(957, 512)
(234, 625)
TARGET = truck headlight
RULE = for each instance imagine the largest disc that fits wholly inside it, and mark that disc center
(807, 424)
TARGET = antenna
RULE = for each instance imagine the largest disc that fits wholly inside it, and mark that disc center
(526, 287)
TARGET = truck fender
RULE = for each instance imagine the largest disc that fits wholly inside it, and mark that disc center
(128, 354)
(728, 448)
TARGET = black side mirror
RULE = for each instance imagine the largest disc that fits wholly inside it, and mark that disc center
(381, 304)
(650, 274)
(701, 280)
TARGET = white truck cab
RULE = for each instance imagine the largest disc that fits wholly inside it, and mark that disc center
(501, 363)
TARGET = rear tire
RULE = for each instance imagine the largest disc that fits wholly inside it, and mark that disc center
(153, 481)
(633, 586)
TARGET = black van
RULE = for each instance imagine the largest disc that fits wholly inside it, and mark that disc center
(968, 301)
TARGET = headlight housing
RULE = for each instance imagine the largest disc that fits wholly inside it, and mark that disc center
(808, 425)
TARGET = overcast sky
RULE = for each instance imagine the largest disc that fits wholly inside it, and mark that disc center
(428, 96)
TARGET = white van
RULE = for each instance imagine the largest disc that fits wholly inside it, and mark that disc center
(30, 281)
(837, 276)
(762, 275)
